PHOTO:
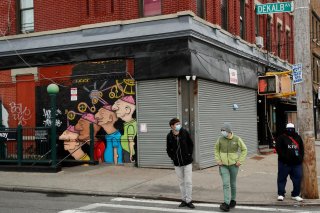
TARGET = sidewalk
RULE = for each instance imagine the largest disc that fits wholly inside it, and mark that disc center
(256, 182)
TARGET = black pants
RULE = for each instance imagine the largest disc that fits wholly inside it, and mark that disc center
(295, 172)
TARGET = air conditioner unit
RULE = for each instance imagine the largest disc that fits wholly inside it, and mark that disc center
(259, 41)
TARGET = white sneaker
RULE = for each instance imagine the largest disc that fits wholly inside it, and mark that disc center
(280, 198)
(297, 198)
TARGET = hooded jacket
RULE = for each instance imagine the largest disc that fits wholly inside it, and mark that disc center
(226, 150)
(180, 147)
(288, 152)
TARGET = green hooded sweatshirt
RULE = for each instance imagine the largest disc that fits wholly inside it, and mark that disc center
(226, 150)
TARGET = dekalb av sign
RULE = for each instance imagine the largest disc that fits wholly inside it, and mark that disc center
(279, 7)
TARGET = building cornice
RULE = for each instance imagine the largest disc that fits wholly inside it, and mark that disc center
(182, 24)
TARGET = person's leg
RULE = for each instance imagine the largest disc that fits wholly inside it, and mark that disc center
(283, 171)
(188, 182)
(296, 177)
(225, 176)
(180, 174)
(233, 181)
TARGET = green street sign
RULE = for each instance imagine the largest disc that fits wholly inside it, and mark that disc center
(279, 7)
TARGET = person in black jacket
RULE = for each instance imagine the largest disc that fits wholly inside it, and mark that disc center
(290, 151)
(180, 149)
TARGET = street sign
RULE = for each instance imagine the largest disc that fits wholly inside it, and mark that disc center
(297, 73)
(8, 135)
(279, 7)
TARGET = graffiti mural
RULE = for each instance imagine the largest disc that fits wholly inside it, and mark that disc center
(100, 93)
(106, 118)
(72, 144)
(124, 109)
(20, 113)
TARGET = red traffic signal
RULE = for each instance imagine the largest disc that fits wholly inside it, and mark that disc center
(268, 85)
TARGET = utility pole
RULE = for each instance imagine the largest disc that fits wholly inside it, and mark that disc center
(302, 52)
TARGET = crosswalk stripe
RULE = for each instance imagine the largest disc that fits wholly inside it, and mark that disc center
(92, 207)
(85, 209)
(119, 199)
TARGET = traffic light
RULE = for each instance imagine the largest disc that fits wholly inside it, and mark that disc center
(268, 85)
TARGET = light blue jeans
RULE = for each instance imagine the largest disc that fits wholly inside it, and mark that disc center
(229, 179)
(184, 174)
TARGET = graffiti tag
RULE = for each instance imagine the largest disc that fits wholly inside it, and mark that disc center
(47, 117)
(20, 113)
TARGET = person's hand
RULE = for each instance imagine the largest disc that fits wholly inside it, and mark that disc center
(238, 164)
(131, 159)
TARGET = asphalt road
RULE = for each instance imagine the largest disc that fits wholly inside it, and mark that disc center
(26, 202)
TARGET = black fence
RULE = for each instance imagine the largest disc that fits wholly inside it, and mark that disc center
(33, 146)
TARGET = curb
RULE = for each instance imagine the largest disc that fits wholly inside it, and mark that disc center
(154, 197)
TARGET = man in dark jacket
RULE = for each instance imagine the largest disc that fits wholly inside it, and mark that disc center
(180, 149)
(290, 151)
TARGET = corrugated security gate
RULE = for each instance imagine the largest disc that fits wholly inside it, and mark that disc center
(157, 103)
(217, 103)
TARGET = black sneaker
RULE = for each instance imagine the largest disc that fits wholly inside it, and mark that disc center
(232, 203)
(183, 204)
(190, 205)
(225, 207)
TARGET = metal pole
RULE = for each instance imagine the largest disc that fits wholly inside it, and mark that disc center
(302, 52)
(53, 130)
(19, 145)
(91, 143)
(0, 114)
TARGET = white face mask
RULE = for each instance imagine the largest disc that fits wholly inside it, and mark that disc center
(224, 133)
(178, 127)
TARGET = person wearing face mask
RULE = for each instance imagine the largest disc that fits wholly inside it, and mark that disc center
(180, 149)
(229, 161)
(290, 151)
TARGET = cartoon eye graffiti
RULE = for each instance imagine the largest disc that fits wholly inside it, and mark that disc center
(112, 95)
(71, 115)
(82, 106)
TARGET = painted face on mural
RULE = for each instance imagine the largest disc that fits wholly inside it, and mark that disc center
(124, 110)
(83, 126)
(105, 117)
(70, 140)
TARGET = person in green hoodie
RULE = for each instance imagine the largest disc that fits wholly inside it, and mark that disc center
(229, 161)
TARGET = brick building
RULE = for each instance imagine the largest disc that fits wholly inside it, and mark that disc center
(193, 59)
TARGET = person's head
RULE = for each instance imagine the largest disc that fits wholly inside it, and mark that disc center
(226, 129)
(175, 124)
(290, 128)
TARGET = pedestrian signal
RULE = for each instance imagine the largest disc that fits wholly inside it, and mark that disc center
(268, 85)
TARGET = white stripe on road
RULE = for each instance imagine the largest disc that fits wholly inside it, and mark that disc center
(91, 208)
(119, 199)
(83, 209)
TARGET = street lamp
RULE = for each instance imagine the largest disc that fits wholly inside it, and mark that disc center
(53, 90)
